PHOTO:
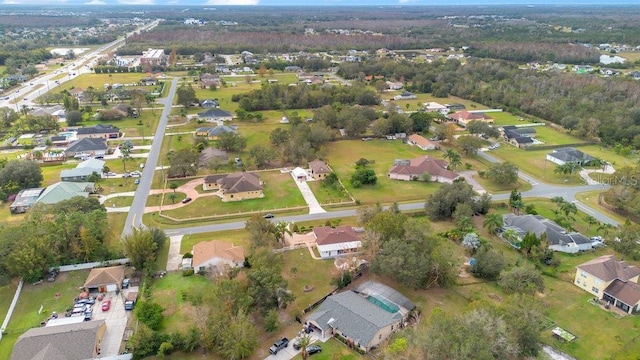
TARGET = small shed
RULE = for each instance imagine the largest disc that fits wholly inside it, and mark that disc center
(299, 174)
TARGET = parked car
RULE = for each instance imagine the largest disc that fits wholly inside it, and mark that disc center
(278, 345)
(52, 275)
(106, 305)
(268, 216)
(88, 314)
(135, 173)
(136, 181)
(128, 305)
(126, 283)
(186, 200)
(313, 349)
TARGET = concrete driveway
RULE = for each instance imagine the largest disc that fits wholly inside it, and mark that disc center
(289, 352)
(116, 321)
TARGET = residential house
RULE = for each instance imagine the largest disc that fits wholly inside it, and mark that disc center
(611, 280)
(394, 85)
(148, 81)
(65, 190)
(82, 170)
(98, 131)
(214, 115)
(235, 187)
(209, 255)
(318, 170)
(422, 143)
(519, 136)
(106, 279)
(25, 199)
(414, 169)
(566, 155)
(211, 153)
(87, 146)
(79, 341)
(292, 68)
(209, 103)
(77, 93)
(405, 96)
(465, 117)
(299, 174)
(61, 140)
(366, 316)
(333, 242)
(435, 107)
(213, 133)
(559, 238)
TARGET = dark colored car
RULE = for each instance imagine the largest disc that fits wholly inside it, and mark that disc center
(186, 200)
(278, 345)
(268, 216)
(128, 305)
(312, 349)
(125, 283)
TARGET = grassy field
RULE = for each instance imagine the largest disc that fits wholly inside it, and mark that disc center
(590, 198)
(343, 155)
(534, 163)
(326, 195)
(495, 188)
(279, 192)
(334, 349)
(119, 201)
(57, 296)
(116, 224)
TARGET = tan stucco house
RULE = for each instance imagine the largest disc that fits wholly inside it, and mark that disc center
(235, 187)
(611, 280)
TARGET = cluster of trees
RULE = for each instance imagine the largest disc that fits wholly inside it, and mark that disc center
(581, 104)
(142, 247)
(456, 200)
(282, 96)
(484, 331)
(392, 238)
(625, 190)
(16, 175)
(363, 175)
(536, 51)
(71, 231)
(303, 141)
(504, 173)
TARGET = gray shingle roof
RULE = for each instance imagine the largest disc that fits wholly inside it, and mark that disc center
(214, 114)
(63, 342)
(569, 154)
(87, 144)
(536, 224)
(354, 316)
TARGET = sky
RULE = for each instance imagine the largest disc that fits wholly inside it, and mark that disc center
(315, 2)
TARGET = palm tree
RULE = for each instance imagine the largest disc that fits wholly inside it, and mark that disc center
(590, 221)
(492, 222)
(511, 235)
(303, 342)
(605, 228)
(281, 228)
(454, 158)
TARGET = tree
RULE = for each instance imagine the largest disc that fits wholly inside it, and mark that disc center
(73, 117)
(521, 279)
(265, 284)
(469, 145)
(303, 342)
(363, 176)
(173, 186)
(186, 95)
(504, 173)
(261, 156)
(20, 174)
(493, 222)
(125, 151)
(149, 313)
(271, 322)
(421, 121)
(232, 142)
(261, 231)
(482, 128)
(489, 263)
(144, 342)
(454, 158)
(183, 163)
(471, 242)
(239, 338)
(141, 249)
(280, 229)
(529, 240)
(443, 203)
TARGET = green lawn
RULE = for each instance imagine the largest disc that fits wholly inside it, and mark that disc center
(327, 195)
(342, 156)
(119, 201)
(301, 270)
(496, 188)
(57, 296)
(51, 174)
(280, 192)
(590, 198)
(534, 163)
(551, 136)
(237, 237)
(116, 224)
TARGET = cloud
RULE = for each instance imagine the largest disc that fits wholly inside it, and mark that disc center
(136, 2)
(95, 2)
(10, 2)
(232, 2)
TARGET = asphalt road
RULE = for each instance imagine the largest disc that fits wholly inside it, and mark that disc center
(134, 218)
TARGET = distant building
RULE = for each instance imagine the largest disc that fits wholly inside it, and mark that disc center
(465, 117)
(565, 155)
(154, 57)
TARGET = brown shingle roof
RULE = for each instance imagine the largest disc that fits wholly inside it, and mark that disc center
(627, 292)
(421, 141)
(203, 251)
(319, 167)
(607, 268)
(62, 342)
(465, 115)
(425, 164)
(239, 182)
(105, 276)
(340, 234)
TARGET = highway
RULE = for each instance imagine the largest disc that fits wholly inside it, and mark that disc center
(26, 94)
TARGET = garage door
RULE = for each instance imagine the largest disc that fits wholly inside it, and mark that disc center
(112, 287)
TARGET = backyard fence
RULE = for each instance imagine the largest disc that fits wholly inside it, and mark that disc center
(91, 265)
(16, 296)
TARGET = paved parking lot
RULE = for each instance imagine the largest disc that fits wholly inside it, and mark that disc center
(116, 320)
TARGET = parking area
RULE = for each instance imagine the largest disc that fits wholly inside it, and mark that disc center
(116, 320)
(289, 352)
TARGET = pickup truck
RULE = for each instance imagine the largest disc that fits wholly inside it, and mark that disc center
(278, 345)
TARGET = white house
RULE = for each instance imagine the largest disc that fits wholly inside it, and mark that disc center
(215, 255)
(332, 242)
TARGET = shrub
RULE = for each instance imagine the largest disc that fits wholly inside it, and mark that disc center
(187, 256)
(188, 272)
(166, 348)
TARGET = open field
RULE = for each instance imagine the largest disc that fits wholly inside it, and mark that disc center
(116, 224)
(534, 163)
(495, 188)
(343, 155)
(326, 195)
